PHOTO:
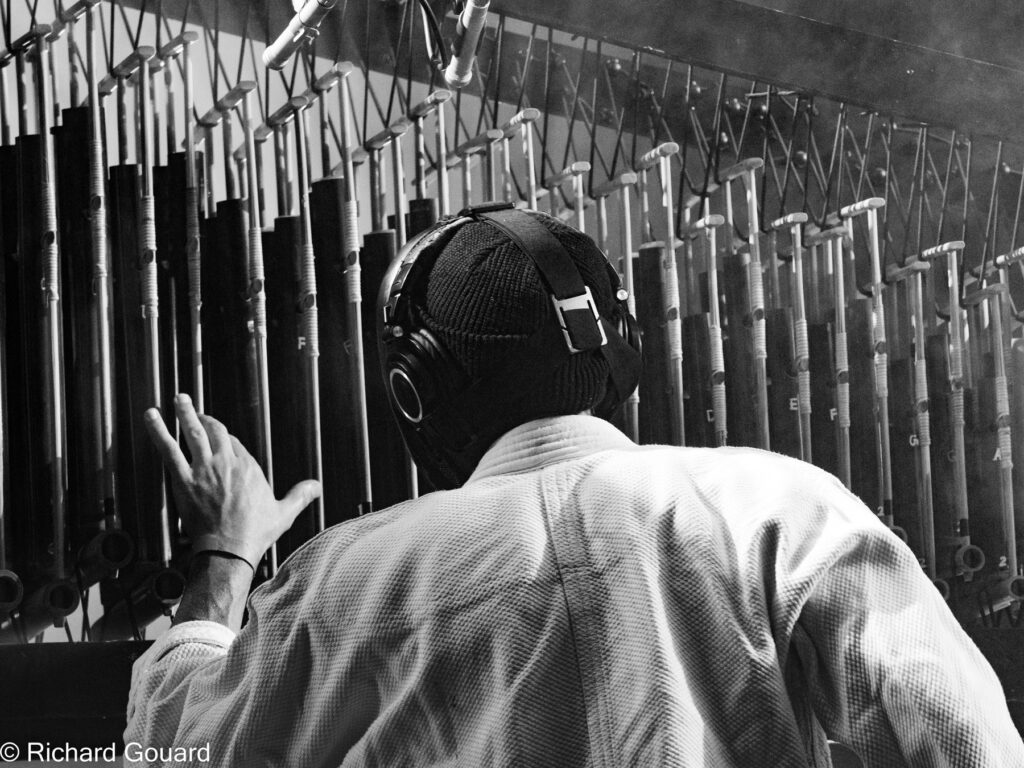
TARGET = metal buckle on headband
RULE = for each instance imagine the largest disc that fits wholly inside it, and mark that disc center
(572, 330)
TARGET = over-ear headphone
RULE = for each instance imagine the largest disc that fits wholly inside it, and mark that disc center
(430, 393)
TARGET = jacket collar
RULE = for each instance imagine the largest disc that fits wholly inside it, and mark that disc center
(542, 442)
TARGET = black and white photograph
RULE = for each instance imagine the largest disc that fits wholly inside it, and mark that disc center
(494, 384)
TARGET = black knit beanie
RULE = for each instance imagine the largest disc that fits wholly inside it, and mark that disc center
(484, 298)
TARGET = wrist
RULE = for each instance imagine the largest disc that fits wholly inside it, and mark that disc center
(218, 585)
(203, 558)
(228, 546)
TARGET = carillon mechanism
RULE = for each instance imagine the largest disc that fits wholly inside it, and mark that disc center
(819, 266)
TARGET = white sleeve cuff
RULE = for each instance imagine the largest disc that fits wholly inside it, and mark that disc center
(213, 640)
(209, 633)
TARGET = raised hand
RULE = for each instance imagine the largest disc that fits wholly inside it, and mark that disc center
(223, 497)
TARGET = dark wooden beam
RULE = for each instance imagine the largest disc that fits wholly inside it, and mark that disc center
(905, 80)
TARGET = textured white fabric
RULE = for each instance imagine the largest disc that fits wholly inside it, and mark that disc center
(583, 601)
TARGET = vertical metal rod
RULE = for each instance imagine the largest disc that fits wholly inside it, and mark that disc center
(834, 251)
(193, 246)
(287, 201)
(418, 115)
(398, 180)
(924, 430)
(881, 356)
(257, 296)
(148, 266)
(579, 200)
(443, 192)
(507, 193)
(620, 185)
(241, 160)
(309, 340)
(122, 122)
(54, 87)
(420, 139)
(354, 296)
(755, 281)
(257, 300)
(208, 156)
(909, 277)
(491, 168)
(280, 177)
(230, 188)
(552, 199)
(814, 281)
(967, 557)
(602, 223)
(170, 106)
(988, 302)
(153, 108)
(773, 299)
(52, 317)
(325, 129)
(234, 185)
(573, 173)
(531, 168)
(707, 226)
(801, 346)
(1003, 428)
(646, 225)
(691, 299)
(467, 180)
(401, 204)
(629, 283)
(670, 294)
(376, 212)
(880, 351)
(101, 281)
(22, 97)
(5, 120)
(74, 92)
(802, 357)
(261, 135)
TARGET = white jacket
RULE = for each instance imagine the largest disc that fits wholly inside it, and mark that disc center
(583, 601)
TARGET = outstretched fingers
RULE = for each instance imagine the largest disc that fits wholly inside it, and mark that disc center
(195, 434)
(169, 449)
(217, 434)
(299, 497)
(239, 449)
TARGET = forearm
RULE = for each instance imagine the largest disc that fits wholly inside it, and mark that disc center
(197, 684)
(216, 591)
(214, 602)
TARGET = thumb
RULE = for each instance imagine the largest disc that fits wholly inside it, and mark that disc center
(300, 496)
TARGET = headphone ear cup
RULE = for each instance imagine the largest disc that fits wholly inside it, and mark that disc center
(625, 363)
(420, 374)
(629, 329)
